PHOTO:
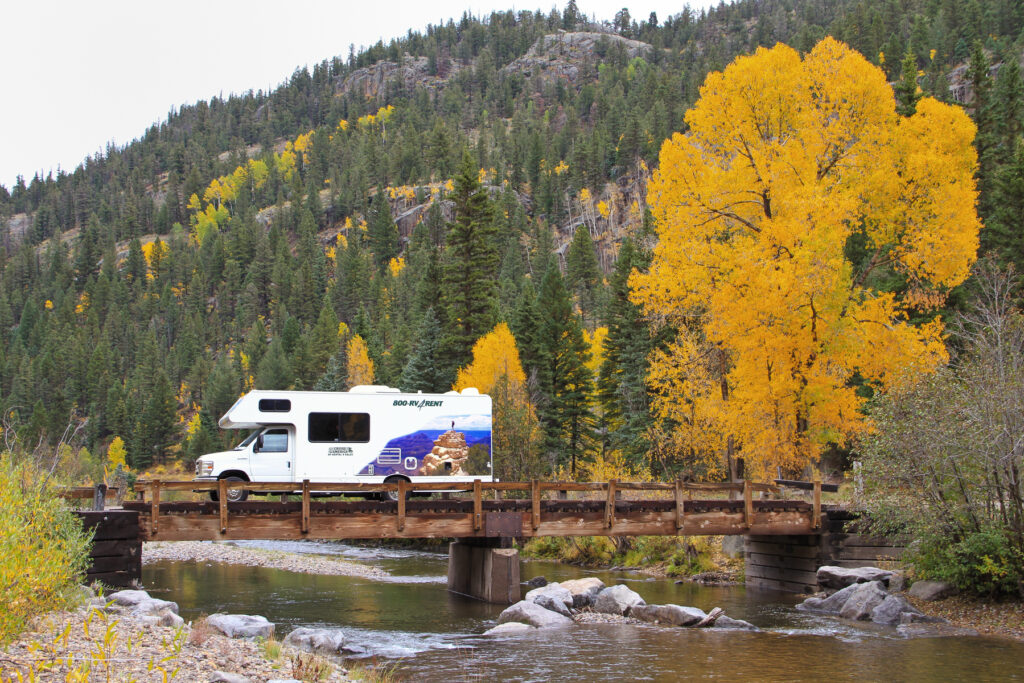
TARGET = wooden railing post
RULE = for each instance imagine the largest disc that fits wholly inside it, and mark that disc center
(305, 506)
(535, 504)
(402, 484)
(99, 497)
(748, 504)
(680, 511)
(609, 508)
(222, 499)
(477, 505)
(155, 507)
(816, 521)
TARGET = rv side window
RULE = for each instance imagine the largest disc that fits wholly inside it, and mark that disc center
(339, 427)
(275, 405)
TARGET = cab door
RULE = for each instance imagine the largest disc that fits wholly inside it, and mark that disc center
(272, 455)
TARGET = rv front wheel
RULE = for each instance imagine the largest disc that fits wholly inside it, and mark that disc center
(234, 495)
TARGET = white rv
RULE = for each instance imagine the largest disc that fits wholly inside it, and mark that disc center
(370, 434)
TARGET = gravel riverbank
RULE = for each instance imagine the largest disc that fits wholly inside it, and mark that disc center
(230, 553)
(108, 644)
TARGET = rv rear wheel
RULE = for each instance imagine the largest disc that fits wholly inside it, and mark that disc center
(393, 495)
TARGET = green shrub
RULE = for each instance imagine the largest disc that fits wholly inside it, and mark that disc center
(984, 562)
(43, 548)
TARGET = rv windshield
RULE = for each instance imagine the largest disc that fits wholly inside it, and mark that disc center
(248, 440)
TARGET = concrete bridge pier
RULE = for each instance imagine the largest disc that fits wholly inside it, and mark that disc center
(484, 568)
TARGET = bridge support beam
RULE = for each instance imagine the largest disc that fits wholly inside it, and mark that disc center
(484, 568)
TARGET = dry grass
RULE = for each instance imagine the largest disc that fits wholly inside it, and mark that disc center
(1003, 619)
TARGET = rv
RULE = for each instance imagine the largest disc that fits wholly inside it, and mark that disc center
(370, 434)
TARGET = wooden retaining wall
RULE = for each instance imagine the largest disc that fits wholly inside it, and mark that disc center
(116, 557)
(790, 563)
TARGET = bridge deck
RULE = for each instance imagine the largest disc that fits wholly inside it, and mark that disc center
(312, 519)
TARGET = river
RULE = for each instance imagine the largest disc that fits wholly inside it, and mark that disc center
(432, 635)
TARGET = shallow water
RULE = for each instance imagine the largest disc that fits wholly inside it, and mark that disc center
(435, 636)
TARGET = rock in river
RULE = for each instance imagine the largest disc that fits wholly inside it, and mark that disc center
(321, 641)
(531, 613)
(617, 600)
(583, 591)
(553, 597)
(510, 628)
(668, 614)
(863, 600)
(840, 577)
(241, 625)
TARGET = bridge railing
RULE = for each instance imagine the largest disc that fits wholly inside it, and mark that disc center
(97, 495)
(610, 491)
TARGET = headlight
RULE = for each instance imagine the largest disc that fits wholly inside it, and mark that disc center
(203, 468)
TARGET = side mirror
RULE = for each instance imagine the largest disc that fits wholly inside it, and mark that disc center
(259, 444)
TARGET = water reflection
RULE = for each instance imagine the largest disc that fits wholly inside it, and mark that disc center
(436, 635)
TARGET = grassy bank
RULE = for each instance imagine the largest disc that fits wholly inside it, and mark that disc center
(672, 556)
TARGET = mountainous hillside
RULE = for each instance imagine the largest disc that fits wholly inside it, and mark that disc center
(374, 217)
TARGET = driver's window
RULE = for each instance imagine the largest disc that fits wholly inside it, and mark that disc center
(275, 441)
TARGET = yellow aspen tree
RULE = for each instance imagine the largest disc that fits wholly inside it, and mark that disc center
(784, 214)
(494, 355)
(360, 365)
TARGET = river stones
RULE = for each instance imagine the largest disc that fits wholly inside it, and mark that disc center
(537, 582)
(553, 597)
(894, 610)
(241, 625)
(863, 600)
(153, 606)
(128, 598)
(724, 622)
(931, 590)
(321, 641)
(583, 591)
(533, 614)
(840, 577)
(510, 628)
(832, 604)
(675, 615)
(617, 600)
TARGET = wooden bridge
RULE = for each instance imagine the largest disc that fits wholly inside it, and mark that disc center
(483, 517)
(653, 509)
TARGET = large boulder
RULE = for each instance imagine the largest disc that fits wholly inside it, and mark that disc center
(668, 614)
(931, 590)
(583, 591)
(894, 610)
(241, 625)
(128, 598)
(321, 641)
(863, 601)
(152, 606)
(553, 597)
(164, 618)
(510, 628)
(617, 600)
(832, 604)
(533, 614)
(840, 577)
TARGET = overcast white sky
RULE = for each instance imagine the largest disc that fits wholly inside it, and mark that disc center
(79, 75)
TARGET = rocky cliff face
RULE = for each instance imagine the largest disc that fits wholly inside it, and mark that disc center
(564, 55)
(449, 448)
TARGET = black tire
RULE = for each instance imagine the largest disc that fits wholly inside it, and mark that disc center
(392, 496)
(234, 495)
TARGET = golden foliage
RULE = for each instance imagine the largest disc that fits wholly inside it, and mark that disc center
(494, 355)
(785, 160)
(43, 549)
(360, 365)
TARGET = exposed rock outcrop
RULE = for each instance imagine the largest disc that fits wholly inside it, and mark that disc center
(448, 455)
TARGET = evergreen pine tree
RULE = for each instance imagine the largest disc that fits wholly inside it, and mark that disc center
(567, 383)
(582, 274)
(621, 390)
(469, 273)
(422, 371)
(383, 232)
(907, 94)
